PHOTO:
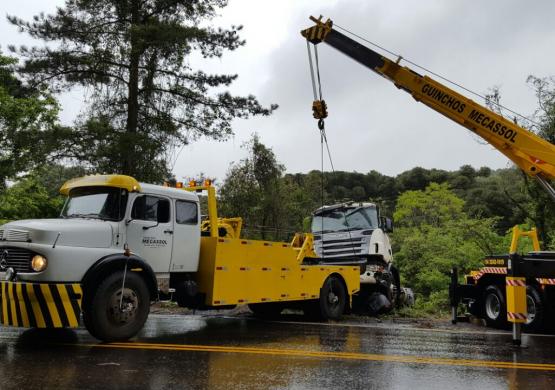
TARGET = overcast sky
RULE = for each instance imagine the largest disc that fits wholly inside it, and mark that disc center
(372, 125)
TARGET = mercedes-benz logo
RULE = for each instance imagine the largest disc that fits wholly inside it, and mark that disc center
(4, 260)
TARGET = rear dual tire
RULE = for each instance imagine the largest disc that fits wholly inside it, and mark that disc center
(332, 302)
(535, 321)
(495, 309)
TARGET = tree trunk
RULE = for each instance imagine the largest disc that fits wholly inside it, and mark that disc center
(133, 93)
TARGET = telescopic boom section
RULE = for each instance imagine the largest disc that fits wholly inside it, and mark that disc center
(531, 153)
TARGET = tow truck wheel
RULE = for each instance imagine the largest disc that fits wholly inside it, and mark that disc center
(117, 314)
(535, 317)
(495, 309)
(333, 298)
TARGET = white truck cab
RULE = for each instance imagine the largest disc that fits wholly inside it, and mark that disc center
(98, 221)
(351, 229)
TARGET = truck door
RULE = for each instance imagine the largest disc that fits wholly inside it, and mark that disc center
(150, 231)
(186, 243)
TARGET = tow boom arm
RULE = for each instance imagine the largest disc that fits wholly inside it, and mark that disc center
(529, 152)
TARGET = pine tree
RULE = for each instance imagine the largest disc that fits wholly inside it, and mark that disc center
(28, 123)
(145, 97)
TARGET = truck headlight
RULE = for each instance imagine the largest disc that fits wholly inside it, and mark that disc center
(39, 263)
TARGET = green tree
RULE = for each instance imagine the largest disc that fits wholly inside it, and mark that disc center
(433, 235)
(501, 194)
(253, 189)
(28, 121)
(434, 207)
(29, 198)
(303, 196)
(53, 176)
(134, 58)
(415, 179)
(542, 205)
(539, 206)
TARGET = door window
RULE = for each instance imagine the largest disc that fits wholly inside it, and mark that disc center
(186, 213)
(151, 208)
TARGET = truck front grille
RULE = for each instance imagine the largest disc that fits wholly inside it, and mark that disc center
(338, 248)
(17, 258)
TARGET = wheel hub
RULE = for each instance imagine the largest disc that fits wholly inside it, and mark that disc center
(122, 309)
(493, 306)
(332, 298)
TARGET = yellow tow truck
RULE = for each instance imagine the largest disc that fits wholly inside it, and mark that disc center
(120, 245)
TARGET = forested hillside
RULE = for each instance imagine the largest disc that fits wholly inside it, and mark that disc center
(269, 199)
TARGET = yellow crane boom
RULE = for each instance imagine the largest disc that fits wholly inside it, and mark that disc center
(529, 152)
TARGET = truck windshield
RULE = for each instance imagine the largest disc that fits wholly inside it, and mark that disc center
(96, 202)
(343, 219)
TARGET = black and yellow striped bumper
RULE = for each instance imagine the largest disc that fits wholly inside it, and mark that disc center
(40, 305)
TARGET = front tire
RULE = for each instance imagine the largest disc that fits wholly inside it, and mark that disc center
(494, 307)
(106, 320)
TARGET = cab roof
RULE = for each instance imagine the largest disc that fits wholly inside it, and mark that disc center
(126, 182)
(345, 205)
(176, 193)
(119, 181)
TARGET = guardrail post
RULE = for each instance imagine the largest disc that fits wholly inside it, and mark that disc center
(516, 297)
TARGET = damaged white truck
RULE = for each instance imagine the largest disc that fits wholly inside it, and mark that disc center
(356, 233)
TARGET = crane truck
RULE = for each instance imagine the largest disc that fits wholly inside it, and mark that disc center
(517, 288)
(120, 245)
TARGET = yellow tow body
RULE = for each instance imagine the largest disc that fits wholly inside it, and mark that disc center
(238, 271)
(235, 271)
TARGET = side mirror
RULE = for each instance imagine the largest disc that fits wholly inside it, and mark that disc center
(387, 224)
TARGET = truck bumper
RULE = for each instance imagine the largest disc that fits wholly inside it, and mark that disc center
(40, 305)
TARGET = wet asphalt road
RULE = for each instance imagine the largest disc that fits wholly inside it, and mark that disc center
(175, 351)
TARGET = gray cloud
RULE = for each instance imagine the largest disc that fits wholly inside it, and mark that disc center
(373, 125)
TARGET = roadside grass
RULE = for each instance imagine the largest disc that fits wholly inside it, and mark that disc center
(418, 311)
(436, 306)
